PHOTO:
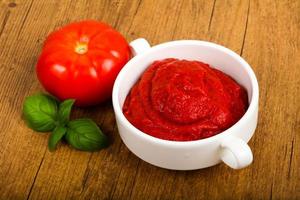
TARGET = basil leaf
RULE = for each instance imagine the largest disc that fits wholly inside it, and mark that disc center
(85, 135)
(56, 136)
(40, 112)
(64, 111)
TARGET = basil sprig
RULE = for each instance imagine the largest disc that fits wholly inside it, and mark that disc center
(43, 113)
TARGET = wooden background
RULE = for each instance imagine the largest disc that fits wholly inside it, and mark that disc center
(265, 32)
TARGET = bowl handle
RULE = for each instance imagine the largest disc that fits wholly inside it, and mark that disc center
(235, 152)
(139, 46)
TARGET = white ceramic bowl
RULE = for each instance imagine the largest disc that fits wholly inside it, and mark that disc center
(230, 146)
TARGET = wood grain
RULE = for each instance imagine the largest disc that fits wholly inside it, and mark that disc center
(266, 33)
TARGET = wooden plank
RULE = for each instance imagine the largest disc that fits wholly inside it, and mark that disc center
(20, 150)
(272, 45)
(228, 24)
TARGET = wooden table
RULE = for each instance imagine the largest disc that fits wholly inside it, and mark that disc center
(266, 33)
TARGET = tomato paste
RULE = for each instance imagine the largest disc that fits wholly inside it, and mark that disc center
(184, 100)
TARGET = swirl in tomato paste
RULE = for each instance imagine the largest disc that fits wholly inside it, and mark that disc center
(184, 100)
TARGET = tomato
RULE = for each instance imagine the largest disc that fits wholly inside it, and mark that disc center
(81, 61)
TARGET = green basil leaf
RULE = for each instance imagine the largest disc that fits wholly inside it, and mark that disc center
(64, 111)
(85, 135)
(40, 112)
(56, 136)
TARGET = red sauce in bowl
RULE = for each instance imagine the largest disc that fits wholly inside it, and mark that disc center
(184, 100)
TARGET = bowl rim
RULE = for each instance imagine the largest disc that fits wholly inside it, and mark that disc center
(245, 118)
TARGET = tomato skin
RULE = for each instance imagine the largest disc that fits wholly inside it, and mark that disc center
(81, 61)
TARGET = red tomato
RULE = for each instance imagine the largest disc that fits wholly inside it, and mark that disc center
(81, 61)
